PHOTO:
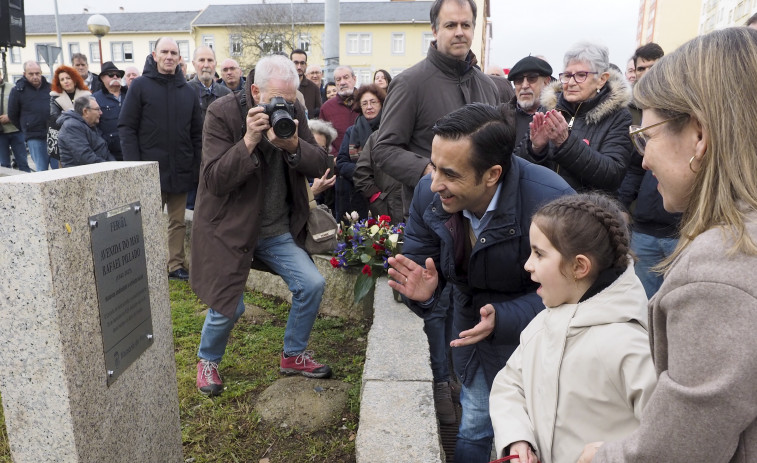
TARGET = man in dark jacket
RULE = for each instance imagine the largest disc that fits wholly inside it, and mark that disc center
(110, 98)
(469, 219)
(79, 62)
(28, 109)
(530, 75)
(310, 91)
(445, 81)
(11, 138)
(79, 140)
(207, 91)
(252, 202)
(161, 121)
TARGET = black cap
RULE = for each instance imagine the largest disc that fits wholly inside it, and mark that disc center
(530, 64)
(109, 67)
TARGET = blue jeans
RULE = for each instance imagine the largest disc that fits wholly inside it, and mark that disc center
(13, 141)
(475, 435)
(293, 264)
(651, 251)
(438, 328)
(38, 150)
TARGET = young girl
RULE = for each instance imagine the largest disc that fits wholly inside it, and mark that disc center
(583, 371)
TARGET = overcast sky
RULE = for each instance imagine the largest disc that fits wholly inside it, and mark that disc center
(545, 27)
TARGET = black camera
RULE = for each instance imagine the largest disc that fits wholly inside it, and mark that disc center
(280, 114)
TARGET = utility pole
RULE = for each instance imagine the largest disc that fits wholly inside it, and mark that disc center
(331, 38)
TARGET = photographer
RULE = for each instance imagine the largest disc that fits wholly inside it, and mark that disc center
(252, 202)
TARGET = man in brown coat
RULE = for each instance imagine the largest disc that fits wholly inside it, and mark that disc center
(252, 203)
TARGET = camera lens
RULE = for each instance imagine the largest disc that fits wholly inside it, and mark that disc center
(283, 124)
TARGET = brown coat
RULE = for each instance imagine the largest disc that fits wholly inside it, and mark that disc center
(230, 198)
(703, 322)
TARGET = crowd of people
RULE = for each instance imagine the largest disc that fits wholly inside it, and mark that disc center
(579, 247)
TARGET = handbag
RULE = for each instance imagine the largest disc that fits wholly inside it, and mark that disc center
(52, 138)
(321, 227)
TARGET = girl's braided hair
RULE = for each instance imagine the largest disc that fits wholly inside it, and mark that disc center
(590, 224)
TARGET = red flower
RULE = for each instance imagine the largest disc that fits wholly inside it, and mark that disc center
(371, 222)
(367, 270)
(377, 247)
(385, 218)
(334, 263)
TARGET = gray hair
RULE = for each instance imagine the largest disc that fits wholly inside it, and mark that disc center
(275, 67)
(203, 48)
(31, 61)
(313, 67)
(344, 66)
(81, 103)
(324, 128)
(598, 56)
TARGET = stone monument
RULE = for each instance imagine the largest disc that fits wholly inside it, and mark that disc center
(87, 369)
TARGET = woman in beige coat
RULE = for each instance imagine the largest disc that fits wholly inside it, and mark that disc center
(699, 138)
(583, 369)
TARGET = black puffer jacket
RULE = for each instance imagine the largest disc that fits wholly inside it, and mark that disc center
(80, 144)
(596, 154)
(29, 108)
(161, 121)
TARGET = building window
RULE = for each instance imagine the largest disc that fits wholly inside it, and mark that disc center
(152, 46)
(358, 44)
(428, 37)
(235, 45)
(363, 76)
(94, 52)
(271, 44)
(398, 43)
(73, 48)
(208, 41)
(304, 42)
(122, 52)
(16, 55)
(184, 49)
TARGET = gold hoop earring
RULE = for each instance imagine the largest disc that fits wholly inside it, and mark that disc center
(690, 167)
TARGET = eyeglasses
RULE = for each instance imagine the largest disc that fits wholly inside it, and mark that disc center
(367, 103)
(532, 78)
(93, 109)
(640, 139)
(579, 77)
(112, 74)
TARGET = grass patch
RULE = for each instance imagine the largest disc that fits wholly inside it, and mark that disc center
(226, 428)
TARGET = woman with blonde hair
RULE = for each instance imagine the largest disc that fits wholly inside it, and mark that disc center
(699, 138)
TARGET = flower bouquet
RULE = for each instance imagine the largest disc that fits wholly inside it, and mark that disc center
(367, 243)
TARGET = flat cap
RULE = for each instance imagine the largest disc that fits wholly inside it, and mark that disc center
(530, 64)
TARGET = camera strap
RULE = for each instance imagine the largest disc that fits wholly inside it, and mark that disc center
(242, 103)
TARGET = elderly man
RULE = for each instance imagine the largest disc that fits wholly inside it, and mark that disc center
(530, 75)
(444, 81)
(469, 222)
(131, 74)
(79, 62)
(28, 109)
(162, 121)
(315, 74)
(310, 91)
(339, 110)
(231, 75)
(253, 204)
(79, 140)
(110, 98)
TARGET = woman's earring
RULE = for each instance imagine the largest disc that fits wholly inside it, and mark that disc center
(598, 90)
(690, 166)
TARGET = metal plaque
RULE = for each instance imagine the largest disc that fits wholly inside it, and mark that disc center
(123, 294)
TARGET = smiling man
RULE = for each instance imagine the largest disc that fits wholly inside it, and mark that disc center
(110, 98)
(339, 110)
(444, 81)
(469, 219)
(530, 75)
(161, 121)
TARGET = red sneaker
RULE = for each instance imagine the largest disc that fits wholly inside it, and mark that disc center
(208, 380)
(304, 365)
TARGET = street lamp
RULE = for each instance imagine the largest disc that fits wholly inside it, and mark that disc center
(98, 25)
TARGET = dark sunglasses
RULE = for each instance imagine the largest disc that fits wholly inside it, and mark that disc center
(112, 75)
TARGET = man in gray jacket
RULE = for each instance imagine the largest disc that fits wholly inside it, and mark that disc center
(79, 140)
(445, 81)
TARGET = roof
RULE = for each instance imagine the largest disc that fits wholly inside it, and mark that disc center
(180, 21)
(349, 13)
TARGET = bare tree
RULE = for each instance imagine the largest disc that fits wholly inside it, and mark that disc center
(272, 28)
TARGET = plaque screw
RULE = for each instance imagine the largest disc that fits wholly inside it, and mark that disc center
(137, 209)
(149, 337)
(110, 373)
(92, 224)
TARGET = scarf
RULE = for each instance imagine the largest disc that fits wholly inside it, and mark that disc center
(363, 129)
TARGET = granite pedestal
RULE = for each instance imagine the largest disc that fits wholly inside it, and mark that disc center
(58, 403)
